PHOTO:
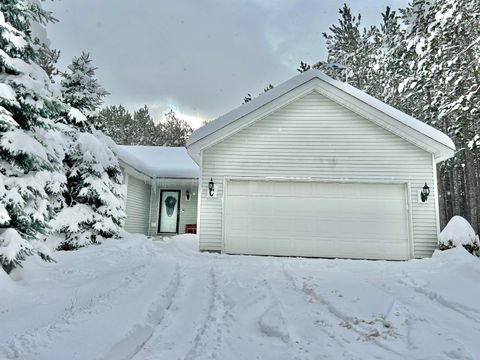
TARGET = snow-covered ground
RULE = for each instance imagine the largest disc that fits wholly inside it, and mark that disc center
(133, 299)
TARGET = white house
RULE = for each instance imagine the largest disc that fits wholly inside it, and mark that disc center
(162, 189)
(315, 167)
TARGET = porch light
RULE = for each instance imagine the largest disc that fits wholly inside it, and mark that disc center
(187, 195)
(425, 192)
(211, 187)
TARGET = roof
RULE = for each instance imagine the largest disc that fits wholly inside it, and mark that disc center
(301, 79)
(159, 161)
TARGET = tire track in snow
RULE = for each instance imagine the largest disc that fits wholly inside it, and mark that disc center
(409, 311)
(274, 329)
(210, 335)
(307, 289)
(174, 338)
(198, 342)
(433, 296)
(302, 295)
(141, 334)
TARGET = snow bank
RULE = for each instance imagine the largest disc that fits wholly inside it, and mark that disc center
(159, 161)
(456, 254)
(458, 232)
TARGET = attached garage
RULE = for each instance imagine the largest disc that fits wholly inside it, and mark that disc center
(317, 168)
(321, 219)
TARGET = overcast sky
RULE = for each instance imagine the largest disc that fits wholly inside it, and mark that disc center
(199, 57)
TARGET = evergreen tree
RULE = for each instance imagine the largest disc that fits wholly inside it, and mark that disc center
(348, 48)
(94, 200)
(127, 129)
(30, 170)
(116, 121)
(247, 98)
(140, 128)
(144, 131)
(303, 67)
(48, 60)
(268, 88)
(175, 130)
(80, 88)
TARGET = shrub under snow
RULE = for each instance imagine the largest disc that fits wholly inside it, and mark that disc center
(459, 232)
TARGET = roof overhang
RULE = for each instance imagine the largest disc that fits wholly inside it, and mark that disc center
(157, 162)
(393, 120)
(132, 171)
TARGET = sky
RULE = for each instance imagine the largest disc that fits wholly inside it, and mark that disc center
(197, 57)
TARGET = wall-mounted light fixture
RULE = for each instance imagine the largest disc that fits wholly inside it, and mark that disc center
(425, 192)
(211, 187)
(187, 195)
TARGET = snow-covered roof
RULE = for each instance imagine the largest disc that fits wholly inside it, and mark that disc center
(289, 85)
(159, 161)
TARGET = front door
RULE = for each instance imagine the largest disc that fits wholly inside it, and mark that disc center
(169, 213)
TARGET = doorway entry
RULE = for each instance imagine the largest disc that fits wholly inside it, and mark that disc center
(169, 212)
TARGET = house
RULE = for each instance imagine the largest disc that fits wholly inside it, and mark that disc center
(162, 189)
(316, 167)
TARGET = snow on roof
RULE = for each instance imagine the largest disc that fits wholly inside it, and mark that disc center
(159, 161)
(301, 79)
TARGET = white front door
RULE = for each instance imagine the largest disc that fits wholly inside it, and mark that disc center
(318, 219)
(169, 211)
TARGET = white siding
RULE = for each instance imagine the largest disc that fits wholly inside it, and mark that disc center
(315, 137)
(188, 209)
(138, 198)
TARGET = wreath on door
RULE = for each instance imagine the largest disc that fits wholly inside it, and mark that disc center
(170, 203)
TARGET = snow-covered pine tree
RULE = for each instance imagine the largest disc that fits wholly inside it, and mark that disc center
(48, 60)
(348, 47)
(80, 87)
(94, 199)
(448, 64)
(30, 157)
(387, 68)
(95, 205)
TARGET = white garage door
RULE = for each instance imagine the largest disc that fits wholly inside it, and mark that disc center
(316, 219)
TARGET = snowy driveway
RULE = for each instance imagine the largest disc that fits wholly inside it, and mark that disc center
(130, 299)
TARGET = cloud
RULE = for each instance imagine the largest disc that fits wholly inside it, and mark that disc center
(203, 56)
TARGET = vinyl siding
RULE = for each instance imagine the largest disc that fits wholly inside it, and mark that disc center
(314, 137)
(138, 198)
(188, 209)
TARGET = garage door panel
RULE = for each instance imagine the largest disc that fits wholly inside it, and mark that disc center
(316, 219)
